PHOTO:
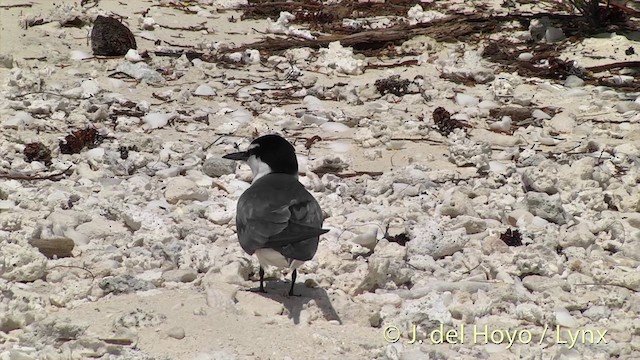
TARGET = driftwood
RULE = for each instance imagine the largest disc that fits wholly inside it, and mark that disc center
(54, 177)
(448, 29)
(616, 65)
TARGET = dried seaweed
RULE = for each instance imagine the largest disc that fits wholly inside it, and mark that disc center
(124, 151)
(444, 123)
(512, 237)
(37, 152)
(312, 140)
(400, 239)
(393, 84)
(79, 139)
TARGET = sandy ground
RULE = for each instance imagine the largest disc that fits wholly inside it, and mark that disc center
(255, 326)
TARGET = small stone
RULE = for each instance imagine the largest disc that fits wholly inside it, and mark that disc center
(54, 248)
(579, 236)
(181, 188)
(21, 263)
(368, 239)
(541, 283)
(456, 204)
(140, 71)
(436, 246)
(204, 90)
(526, 56)
(573, 81)
(236, 272)
(176, 332)
(180, 275)
(258, 305)
(124, 284)
(563, 122)
(466, 100)
(541, 178)
(216, 167)
(553, 34)
(626, 106)
(597, 312)
(519, 217)
(471, 224)
(548, 207)
(564, 318)
(6, 61)
(110, 37)
(540, 115)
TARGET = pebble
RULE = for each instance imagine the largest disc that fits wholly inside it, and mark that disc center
(540, 115)
(564, 318)
(21, 263)
(216, 167)
(176, 332)
(563, 122)
(6, 61)
(124, 284)
(526, 56)
(573, 81)
(204, 90)
(368, 239)
(156, 120)
(554, 34)
(431, 242)
(181, 188)
(548, 207)
(180, 275)
(466, 100)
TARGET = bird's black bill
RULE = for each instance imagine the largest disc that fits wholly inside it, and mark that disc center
(243, 155)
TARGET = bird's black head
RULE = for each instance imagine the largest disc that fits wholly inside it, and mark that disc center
(269, 154)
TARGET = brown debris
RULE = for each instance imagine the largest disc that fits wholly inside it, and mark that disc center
(402, 63)
(124, 151)
(444, 123)
(453, 28)
(73, 22)
(393, 84)
(79, 139)
(110, 37)
(512, 237)
(15, 6)
(401, 239)
(516, 113)
(312, 140)
(54, 177)
(37, 152)
(616, 65)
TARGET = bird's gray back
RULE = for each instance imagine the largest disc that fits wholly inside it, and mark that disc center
(278, 212)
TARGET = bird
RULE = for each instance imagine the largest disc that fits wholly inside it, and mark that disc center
(277, 219)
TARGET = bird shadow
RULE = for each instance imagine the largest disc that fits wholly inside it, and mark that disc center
(278, 291)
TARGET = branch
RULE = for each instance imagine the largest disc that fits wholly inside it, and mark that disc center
(623, 64)
(52, 177)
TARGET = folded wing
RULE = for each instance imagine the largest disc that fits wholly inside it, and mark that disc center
(290, 222)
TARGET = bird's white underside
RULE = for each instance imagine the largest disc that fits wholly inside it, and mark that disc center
(270, 257)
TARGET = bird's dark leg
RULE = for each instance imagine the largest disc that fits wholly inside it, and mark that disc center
(294, 274)
(261, 273)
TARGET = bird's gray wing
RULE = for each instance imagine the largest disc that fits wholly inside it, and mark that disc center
(258, 221)
(288, 219)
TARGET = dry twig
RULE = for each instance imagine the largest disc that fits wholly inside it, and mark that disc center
(53, 177)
